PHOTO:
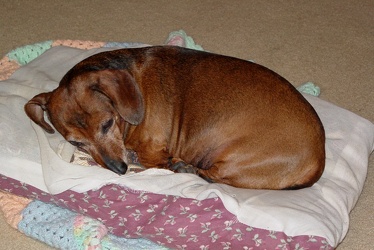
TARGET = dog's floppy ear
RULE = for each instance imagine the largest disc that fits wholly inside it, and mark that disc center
(35, 110)
(125, 96)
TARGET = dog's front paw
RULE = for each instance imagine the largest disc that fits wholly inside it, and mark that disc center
(182, 167)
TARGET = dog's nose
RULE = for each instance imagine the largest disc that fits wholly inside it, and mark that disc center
(118, 167)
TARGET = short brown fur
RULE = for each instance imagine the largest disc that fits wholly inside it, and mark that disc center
(235, 121)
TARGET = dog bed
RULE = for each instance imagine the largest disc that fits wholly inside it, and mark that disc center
(78, 205)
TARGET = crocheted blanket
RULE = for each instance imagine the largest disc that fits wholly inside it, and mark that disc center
(62, 228)
(112, 216)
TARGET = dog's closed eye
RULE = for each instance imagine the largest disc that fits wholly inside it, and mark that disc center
(77, 144)
(106, 126)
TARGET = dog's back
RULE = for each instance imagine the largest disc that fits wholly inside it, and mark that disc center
(237, 121)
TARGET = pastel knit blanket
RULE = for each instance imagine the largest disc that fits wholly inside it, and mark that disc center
(62, 228)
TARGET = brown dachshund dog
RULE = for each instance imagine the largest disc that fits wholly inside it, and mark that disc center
(228, 120)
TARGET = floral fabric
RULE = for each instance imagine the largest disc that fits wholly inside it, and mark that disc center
(170, 221)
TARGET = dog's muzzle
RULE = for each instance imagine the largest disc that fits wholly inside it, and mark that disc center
(118, 167)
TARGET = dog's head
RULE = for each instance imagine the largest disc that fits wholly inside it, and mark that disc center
(92, 110)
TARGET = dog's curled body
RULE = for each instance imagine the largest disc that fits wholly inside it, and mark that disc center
(235, 121)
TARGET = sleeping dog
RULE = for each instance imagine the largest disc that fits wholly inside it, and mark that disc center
(228, 120)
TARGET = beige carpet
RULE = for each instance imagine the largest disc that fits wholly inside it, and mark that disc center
(328, 42)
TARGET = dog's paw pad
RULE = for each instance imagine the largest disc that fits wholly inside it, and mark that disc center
(182, 167)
